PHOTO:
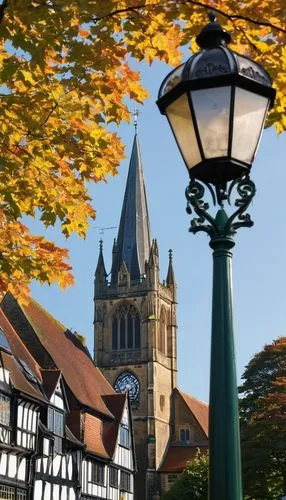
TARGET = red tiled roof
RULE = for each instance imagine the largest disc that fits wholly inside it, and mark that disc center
(81, 375)
(18, 378)
(199, 409)
(177, 457)
(93, 435)
(18, 348)
(116, 404)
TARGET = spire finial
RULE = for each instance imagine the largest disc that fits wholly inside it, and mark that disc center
(100, 244)
(212, 16)
(170, 255)
(135, 118)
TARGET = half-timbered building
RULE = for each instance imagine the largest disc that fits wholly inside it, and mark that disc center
(64, 432)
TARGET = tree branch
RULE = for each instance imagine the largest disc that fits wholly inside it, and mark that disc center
(198, 3)
(49, 114)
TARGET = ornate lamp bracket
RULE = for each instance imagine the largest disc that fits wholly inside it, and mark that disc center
(221, 226)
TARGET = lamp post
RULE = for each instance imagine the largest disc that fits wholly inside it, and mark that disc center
(216, 104)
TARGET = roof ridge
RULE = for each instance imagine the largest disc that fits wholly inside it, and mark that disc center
(183, 393)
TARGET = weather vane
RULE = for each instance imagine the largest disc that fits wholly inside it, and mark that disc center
(135, 118)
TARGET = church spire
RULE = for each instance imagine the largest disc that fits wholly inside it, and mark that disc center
(133, 240)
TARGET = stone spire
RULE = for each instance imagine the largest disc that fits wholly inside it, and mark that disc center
(170, 280)
(133, 240)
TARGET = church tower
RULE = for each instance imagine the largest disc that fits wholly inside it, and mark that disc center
(135, 329)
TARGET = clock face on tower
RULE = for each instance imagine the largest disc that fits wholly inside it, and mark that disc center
(127, 381)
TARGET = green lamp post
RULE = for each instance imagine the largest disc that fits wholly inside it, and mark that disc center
(216, 104)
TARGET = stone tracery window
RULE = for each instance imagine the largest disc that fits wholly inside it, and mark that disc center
(126, 328)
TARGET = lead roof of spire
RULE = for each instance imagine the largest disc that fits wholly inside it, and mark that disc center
(133, 241)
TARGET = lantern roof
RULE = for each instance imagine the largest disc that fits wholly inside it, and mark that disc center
(215, 65)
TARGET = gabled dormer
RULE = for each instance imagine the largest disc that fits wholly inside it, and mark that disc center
(55, 416)
(118, 438)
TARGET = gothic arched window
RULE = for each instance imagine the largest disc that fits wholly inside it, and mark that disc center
(162, 332)
(126, 328)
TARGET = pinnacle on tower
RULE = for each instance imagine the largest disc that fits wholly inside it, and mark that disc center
(170, 280)
(100, 272)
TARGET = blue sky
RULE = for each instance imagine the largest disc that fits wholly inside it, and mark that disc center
(259, 255)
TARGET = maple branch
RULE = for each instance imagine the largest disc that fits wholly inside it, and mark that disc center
(193, 2)
(49, 114)
(3, 6)
(239, 28)
(235, 16)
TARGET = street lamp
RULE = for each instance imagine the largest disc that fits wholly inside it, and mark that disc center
(216, 104)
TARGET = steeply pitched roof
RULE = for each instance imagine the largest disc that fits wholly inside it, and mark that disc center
(133, 241)
(18, 348)
(68, 354)
(15, 361)
(18, 379)
(50, 380)
(116, 404)
(199, 409)
(177, 457)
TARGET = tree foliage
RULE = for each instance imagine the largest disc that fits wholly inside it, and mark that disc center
(66, 74)
(263, 418)
(193, 483)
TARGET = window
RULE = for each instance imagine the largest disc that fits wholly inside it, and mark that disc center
(162, 402)
(56, 425)
(162, 332)
(124, 437)
(4, 410)
(10, 493)
(113, 477)
(125, 481)
(27, 421)
(97, 473)
(126, 328)
(185, 435)
(4, 342)
(172, 478)
(28, 373)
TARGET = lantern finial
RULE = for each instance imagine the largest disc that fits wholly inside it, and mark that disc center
(212, 16)
(212, 34)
